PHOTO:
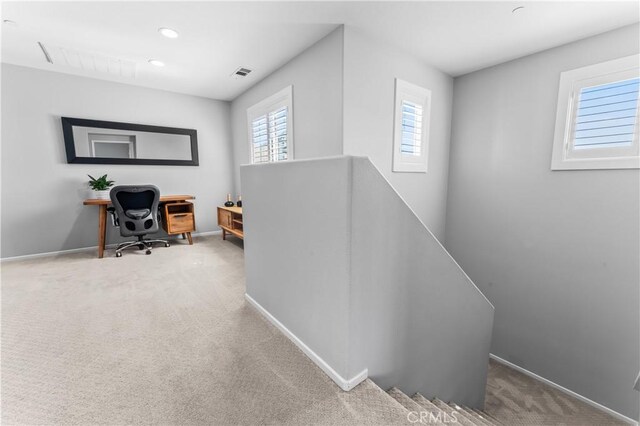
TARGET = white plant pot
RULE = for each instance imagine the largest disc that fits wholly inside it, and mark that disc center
(102, 195)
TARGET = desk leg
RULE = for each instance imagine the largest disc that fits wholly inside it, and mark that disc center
(189, 237)
(102, 229)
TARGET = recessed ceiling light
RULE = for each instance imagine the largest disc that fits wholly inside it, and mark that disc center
(168, 32)
(517, 10)
(156, 62)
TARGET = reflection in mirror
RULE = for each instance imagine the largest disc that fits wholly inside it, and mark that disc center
(104, 142)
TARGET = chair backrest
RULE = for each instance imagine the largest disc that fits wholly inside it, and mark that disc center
(137, 208)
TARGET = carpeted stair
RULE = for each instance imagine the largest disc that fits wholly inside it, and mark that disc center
(437, 412)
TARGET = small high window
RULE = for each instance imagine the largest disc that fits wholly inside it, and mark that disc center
(411, 127)
(597, 117)
(411, 143)
(270, 128)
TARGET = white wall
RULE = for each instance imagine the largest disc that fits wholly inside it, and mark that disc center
(343, 99)
(42, 195)
(369, 72)
(316, 76)
(353, 274)
(416, 320)
(557, 252)
(297, 257)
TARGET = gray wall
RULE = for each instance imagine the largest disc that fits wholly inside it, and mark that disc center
(296, 226)
(316, 76)
(370, 68)
(416, 320)
(42, 195)
(343, 100)
(333, 253)
(557, 252)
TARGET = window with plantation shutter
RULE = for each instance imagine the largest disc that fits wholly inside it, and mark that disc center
(411, 142)
(259, 140)
(270, 128)
(411, 127)
(597, 117)
(606, 115)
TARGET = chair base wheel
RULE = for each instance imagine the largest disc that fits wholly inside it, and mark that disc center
(141, 244)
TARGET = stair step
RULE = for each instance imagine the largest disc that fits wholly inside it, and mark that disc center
(425, 403)
(481, 419)
(439, 412)
(366, 404)
(462, 412)
(463, 420)
(478, 418)
(369, 398)
(404, 399)
(429, 407)
(488, 416)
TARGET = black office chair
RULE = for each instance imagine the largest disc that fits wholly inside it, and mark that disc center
(136, 212)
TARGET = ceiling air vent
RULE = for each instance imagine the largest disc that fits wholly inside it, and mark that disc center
(89, 61)
(241, 72)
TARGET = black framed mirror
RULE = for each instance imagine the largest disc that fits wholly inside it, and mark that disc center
(111, 142)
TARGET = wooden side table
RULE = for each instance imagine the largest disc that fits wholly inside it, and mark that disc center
(230, 220)
(178, 218)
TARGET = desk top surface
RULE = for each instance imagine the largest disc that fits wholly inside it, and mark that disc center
(163, 199)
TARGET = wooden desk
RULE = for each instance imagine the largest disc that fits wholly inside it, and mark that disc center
(102, 215)
(230, 220)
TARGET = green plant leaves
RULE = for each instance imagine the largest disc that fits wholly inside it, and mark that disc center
(100, 184)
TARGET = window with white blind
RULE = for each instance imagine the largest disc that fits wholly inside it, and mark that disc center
(271, 128)
(411, 127)
(597, 119)
(411, 139)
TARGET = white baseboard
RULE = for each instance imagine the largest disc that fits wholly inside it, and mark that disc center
(48, 254)
(206, 234)
(83, 249)
(565, 390)
(345, 384)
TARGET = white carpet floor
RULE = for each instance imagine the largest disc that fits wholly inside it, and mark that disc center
(169, 339)
(160, 339)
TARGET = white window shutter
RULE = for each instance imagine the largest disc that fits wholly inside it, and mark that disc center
(411, 142)
(278, 134)
(411, 128)
(259, 140)
(271, 128)
(606, 115)
(597, 117)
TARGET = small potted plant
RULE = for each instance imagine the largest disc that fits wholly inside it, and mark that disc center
(101, 187)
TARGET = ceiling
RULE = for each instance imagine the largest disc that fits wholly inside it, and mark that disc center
(218, 37)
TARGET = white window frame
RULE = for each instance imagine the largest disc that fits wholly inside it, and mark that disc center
(405, 91)
(282, 98)
(564, 157)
